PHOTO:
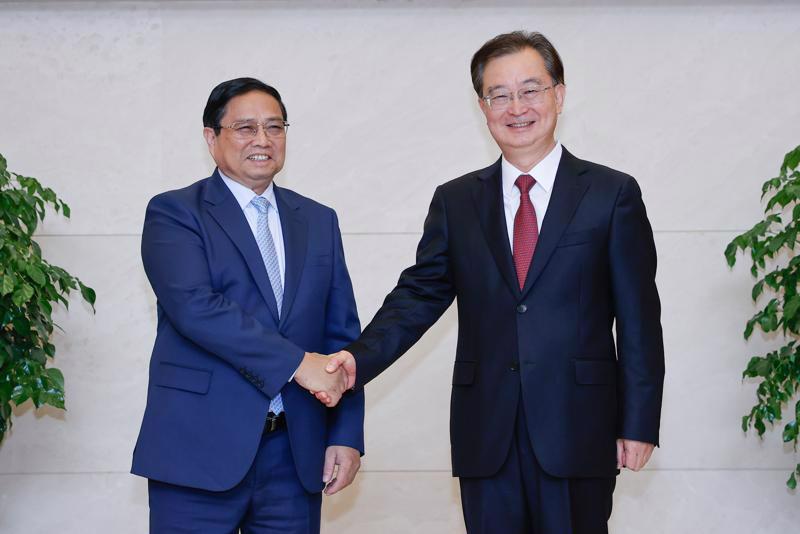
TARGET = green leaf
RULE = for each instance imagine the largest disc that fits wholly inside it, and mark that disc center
(790, 432)
(56, 376)
(757, 290)
(8, 284)
(748, 330)
(39, 355)
(792, 482)
(730, 254)
(65, 210)
(22, 295)
(791, 161)
(36, 274)
(759, 425)
(791, 307)
(88, 294)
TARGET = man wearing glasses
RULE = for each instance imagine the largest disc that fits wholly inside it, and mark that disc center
(544, 254)
(230, 439)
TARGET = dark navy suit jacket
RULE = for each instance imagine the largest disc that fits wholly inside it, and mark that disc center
(221, 353)
(550, 345)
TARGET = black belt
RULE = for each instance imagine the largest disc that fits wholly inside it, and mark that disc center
(275, 422)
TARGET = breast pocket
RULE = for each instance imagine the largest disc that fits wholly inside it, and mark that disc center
(571, 239)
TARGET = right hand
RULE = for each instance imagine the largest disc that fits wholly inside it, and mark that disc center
(339, 362)
(327, 386)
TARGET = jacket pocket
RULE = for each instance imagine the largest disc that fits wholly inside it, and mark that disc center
(576, 238)
(595, 372)
(464, 373)
(175, 376)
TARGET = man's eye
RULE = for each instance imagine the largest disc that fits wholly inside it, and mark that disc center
(500, 99)
(529, 92)
(274, 129)
(246, 130)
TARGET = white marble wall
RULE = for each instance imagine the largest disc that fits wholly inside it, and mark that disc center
(103, 102)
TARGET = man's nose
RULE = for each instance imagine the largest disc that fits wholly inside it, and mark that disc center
(261, 138)
(517, 106)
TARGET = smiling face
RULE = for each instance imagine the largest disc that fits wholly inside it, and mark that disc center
(525, 133)
(252, 162)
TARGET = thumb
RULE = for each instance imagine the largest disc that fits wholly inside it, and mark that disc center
(620, 454)
(330, 463)
(334, 362)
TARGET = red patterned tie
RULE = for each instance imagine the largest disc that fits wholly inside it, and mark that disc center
(526, 230)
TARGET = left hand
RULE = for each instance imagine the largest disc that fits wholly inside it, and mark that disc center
(633, 454)
(348, 461)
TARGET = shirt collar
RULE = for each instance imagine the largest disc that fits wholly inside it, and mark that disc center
(543, 172)
(244, 195)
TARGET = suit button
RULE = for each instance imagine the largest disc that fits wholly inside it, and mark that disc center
(514, 366)
(522, 308)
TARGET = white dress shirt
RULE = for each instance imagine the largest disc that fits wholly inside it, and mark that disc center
(544, 173)
(243, 196)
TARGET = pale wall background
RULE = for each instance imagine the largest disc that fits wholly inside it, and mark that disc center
(103, 102)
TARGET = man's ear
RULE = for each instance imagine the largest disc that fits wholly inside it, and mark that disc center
(561, 94)
(211, 139)
(484, 107)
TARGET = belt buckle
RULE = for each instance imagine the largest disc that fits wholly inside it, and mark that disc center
(272, 423)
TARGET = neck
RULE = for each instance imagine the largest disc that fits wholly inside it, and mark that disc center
(527, 159)
(256, 186)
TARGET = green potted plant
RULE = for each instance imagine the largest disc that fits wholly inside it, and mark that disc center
(776, 266)
(29, 288)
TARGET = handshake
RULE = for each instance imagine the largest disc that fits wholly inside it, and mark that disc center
(327, 377)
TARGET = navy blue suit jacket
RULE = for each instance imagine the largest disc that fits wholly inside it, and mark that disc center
(550, 345)
(221, 353)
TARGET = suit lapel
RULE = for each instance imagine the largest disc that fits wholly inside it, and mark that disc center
(295, 244)
(488, 198)
(568, 190)
(222, 206)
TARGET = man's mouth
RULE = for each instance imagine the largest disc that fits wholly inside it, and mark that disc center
(258, 157)
(520, 124)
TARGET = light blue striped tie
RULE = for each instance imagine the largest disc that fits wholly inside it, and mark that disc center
(267, 247)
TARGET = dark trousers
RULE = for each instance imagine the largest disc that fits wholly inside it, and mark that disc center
(269, 500)
(522, 499)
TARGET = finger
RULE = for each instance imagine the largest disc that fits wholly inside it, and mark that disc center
(349, 366)
(646, 458)
(334, 362)
(334, 400)
(620, 454)
(323, 397)
(330, 463)
(346, 473)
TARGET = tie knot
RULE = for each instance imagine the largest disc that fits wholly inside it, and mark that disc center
(261, 204)
(524, 183)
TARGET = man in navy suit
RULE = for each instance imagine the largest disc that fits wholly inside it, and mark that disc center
(252, 286)
(545, 255)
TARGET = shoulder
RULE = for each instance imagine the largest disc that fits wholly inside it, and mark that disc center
(467, 182)
(598, 175)
(185, 198)
(310, 207)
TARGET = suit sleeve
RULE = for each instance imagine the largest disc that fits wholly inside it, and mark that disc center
(346, 420)
(423, 293)
(640, 347)
(176, 264)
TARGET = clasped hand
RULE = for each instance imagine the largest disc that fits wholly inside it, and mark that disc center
(327, 377)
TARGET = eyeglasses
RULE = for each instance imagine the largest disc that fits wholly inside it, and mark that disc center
(527, 95)
(249, 129)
